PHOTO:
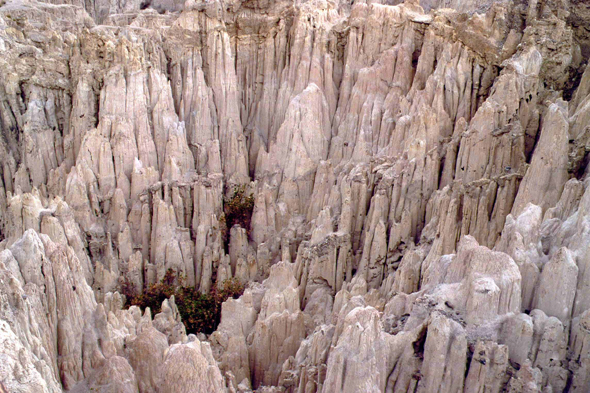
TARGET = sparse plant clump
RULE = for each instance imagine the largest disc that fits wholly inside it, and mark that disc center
(201, 313)
(237, 209)
(232, 287)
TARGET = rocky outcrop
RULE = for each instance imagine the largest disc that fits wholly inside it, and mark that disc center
(418, 175)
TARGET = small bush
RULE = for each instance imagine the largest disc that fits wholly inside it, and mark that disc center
(201, 313)
(231, 288)
(238, 208)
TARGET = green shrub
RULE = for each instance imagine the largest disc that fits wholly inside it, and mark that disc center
(201, 313)
(238, 209)
(232, 287)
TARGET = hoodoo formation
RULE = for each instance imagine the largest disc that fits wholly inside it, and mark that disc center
(321, 196)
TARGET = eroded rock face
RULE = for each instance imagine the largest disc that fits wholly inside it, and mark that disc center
(419, 179)
(190, 367)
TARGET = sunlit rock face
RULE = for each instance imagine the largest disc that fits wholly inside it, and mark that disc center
(420, 205)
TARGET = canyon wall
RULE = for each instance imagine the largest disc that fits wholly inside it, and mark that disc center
(419, 180)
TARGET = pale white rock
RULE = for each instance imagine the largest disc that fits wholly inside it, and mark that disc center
(444, 356)
(146, 355)
(517, 334)
(407, 276)
(280, 326)
(380, 138)
(526, 380)
(521, 239)
(488, 364)
(238, 246)
(547, 174)
(556, 297)
(281, 291)
(169, 322)
(365, 358)
(238, 317)
(190, 367)
(549, 349)
(116, 375)
(491, 279)
(359, 361)
(301, 143)
(18, 367)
